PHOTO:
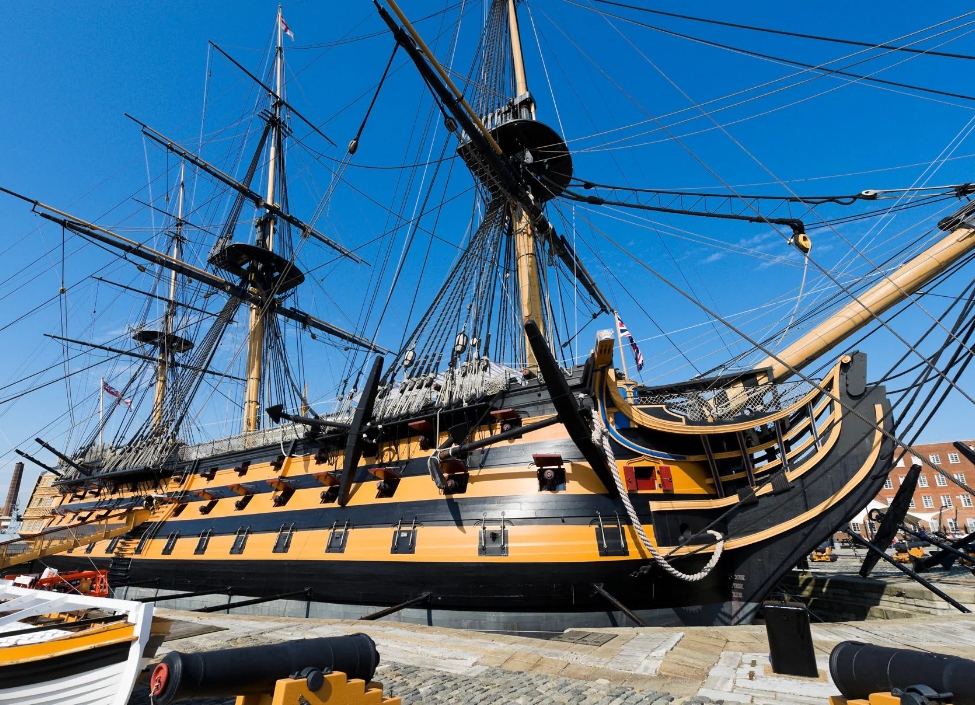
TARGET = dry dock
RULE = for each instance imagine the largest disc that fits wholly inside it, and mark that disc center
(617, 666)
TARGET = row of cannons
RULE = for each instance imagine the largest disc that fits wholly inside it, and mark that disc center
(340, 671)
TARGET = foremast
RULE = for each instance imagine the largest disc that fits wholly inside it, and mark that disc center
(162, 367)
(529, 283)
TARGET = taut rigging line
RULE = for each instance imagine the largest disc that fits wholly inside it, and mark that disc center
(712, 205)
(801, 64)
(785, 33)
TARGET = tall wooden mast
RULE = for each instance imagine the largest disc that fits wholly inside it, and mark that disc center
(164, 349)
(265, 239)
(532, 305)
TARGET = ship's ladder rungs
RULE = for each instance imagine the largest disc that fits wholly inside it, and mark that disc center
(63, 538)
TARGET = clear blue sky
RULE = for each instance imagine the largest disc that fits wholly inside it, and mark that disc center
(72, 69)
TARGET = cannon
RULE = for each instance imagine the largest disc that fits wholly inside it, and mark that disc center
(859, 670)
(254, 670)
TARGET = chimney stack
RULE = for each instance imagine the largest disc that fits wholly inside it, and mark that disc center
(11, 503)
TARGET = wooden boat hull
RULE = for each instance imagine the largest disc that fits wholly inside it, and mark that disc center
(554, 543)
(85, 651)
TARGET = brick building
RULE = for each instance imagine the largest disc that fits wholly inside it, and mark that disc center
(938, 503)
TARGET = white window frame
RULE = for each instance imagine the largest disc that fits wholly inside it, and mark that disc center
(960, 476)
(935, 459)
(953, 458)
(888, 484)
(965, 500)
(940, 480)
(946, 501)
(928, 501)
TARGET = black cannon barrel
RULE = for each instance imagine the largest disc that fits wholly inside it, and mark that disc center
(254, 669)
(861, 669)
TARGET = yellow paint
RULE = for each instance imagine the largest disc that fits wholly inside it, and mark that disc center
(335, 691)
(69, 644)
(527, 543)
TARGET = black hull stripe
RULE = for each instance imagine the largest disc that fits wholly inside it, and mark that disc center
(49, 669)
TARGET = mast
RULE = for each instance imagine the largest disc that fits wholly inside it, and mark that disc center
(265, 240)
(164, 349)
(529, 286)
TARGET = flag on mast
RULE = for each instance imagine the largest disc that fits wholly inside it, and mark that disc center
(115, 393)
(637, 355)
(286, 29)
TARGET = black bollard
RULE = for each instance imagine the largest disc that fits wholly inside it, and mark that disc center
(790, 639)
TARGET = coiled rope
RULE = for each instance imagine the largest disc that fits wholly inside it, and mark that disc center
(600, 436)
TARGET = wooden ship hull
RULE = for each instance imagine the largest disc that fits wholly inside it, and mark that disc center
(505, 552)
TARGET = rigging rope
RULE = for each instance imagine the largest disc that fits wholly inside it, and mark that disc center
(785, 33)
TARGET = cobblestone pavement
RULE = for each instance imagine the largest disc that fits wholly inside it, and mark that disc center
(693, 665)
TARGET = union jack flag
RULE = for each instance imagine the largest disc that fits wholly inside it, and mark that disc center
(623, 330)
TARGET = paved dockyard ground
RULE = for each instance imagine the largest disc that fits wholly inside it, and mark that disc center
(619, 666)
(616, 666)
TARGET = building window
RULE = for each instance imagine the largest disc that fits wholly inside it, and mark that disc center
(911, 505)
(933, 524)
(855, 526)
(900, 462)
(971, 525)
(966, 500)
(888, 484)
(953, 526)
(935, 459)
(953, 458)
(900, 480)
(940, 480)
(922, 480)
(946, 500)
(960, 476)
(928, 501)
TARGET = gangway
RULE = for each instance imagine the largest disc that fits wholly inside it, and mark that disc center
(64, 538)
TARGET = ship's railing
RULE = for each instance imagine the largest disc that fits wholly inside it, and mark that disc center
(720, 405)
(254, 439)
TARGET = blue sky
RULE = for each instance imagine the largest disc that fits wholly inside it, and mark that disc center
(72, 70)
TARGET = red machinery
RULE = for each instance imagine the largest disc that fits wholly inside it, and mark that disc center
(83, 582)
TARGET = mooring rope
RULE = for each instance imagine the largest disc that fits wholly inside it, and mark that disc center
(600, 436)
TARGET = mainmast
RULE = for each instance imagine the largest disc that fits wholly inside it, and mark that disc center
(527, 264)
(265, 240)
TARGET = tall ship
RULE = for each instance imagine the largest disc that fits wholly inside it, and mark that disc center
(470, 467)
